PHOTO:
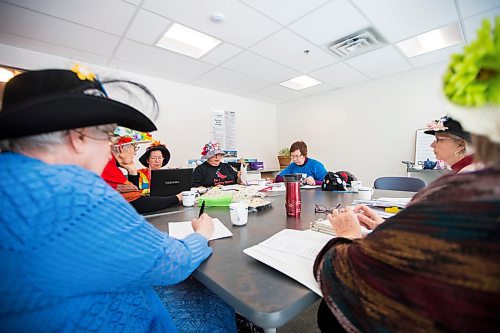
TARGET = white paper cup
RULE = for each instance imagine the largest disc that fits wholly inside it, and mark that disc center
(188, 198)
(239, 213)
(365, 193)
(355, 185)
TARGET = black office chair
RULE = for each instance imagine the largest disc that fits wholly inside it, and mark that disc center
(399, 184)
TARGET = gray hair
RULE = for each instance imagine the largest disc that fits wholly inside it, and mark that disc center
(43, 141)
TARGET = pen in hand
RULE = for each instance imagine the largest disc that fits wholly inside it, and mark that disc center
(202, 208)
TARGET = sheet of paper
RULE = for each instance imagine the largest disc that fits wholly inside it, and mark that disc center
(285, 259)
(310, 186)
(180, 230)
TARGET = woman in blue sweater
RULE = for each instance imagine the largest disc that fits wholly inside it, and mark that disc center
(74, 255)
(314, 169)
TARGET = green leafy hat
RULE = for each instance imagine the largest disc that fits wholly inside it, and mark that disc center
(472, 83)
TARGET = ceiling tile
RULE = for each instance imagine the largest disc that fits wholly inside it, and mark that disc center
(259, 67)
(147, 27)
(221, 53)
(242, 25)
(275, 8)
(381, 62)
(90, 13)
(330, 22)
(320, 88)
(287, 48)
(154, 72)
(20, 58)
(280, 93)
(154, 57)
(218, 87)
(264, 98)
(398, 20)
(442, 55)
(339, 75)
(473, 7)
(135, 2)
(233, 79)
(29, 24)
(473, 23)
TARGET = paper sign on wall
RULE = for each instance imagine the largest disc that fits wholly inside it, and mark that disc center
(423, 149)
(224, 128)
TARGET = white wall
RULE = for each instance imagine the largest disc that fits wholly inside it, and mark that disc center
(369, 128)
(184, 121)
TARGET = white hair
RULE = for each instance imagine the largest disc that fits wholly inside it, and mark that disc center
(45, 141)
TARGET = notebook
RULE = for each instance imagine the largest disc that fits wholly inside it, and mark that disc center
(169, 182)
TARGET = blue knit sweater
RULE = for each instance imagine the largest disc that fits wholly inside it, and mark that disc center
(311, 167)
(75, 256)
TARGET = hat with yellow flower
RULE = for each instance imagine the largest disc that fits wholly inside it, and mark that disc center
(156, 145)
(211, 149)
(44, 101)
(472, 84)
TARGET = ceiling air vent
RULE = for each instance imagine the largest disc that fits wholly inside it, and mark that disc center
(355, 44)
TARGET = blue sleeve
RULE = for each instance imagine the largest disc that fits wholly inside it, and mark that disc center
(319, 171)
(102, 244)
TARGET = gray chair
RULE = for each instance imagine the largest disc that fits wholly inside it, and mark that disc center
(399, 184)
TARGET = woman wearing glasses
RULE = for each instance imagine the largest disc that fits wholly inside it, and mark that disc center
(315, 170)
(155, 157)
(452, 144)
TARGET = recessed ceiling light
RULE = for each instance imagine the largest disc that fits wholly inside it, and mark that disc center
(301, 82)
(432, 40)
(187, 41)
(5, 74)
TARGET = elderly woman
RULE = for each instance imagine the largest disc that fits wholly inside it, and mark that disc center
(123, 155)
(315, 171)
(213, 171)
(155, 157)
(434, 266)
(74, 255)
(452, 144)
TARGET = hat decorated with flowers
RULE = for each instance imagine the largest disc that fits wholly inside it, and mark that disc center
(129, 136)
(447, 125)
(472, 83)
(156, 145)
(211, 149)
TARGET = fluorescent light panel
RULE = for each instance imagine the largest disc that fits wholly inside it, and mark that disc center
(432, 41)
(187, 41)
(300, 82)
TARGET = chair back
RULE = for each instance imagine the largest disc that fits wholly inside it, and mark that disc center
(399, 184)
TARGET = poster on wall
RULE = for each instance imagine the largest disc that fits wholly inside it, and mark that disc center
(224, 128)
(423, 149)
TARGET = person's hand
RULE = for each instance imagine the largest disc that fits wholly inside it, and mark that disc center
(179, 196)
(310, 181)
(124, 154)
(345, 223)
(368, 217)
(204, 225)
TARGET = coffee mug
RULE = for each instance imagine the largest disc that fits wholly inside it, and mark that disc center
(188, 198)
(239, 213)
(355, 185)
(365, 193)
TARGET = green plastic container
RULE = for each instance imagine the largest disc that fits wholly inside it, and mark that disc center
(216, 202)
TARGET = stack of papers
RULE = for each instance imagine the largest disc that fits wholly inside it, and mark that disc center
(385, 202)
(292, 252)
(181, 230)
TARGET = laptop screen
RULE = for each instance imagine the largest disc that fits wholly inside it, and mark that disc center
(169, 182)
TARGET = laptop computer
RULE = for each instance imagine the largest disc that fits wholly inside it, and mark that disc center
(167, 182)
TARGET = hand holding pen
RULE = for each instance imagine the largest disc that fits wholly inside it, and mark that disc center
(204, 224)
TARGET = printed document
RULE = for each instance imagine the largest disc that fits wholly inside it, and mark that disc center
(292, 252)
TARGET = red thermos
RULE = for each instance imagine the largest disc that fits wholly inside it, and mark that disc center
(292, 202)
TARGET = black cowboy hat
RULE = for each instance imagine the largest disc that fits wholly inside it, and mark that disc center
(44, 101)
(452, 127)
(164, 152)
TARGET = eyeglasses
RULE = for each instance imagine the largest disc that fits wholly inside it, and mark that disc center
(324, 209)
(110, 137)
(438, 139)
(296, 156)
(155, 158)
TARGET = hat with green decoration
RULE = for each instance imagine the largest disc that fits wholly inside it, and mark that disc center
(472, 83)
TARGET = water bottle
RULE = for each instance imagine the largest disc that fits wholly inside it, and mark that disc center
(292, 202)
